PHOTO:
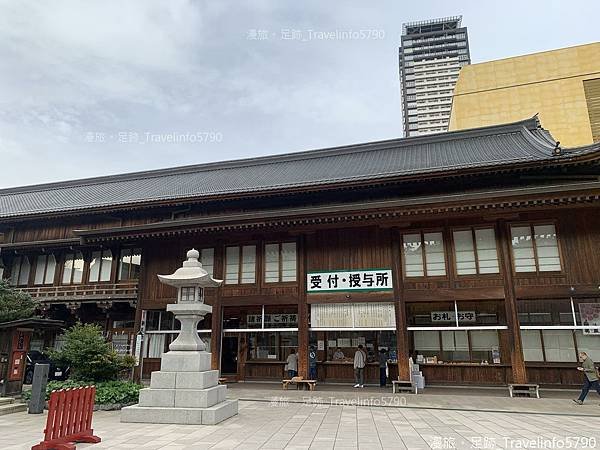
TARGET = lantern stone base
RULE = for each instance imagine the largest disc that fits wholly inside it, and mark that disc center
(180, 416)
(184, 391)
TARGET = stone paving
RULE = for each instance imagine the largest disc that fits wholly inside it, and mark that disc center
(557, 401)
(281, 424)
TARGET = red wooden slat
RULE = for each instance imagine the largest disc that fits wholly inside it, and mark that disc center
(79, 409)
(90, 405)
(60, 407)
(65, 413)
(85, 410)
(73, 412)
(51, 416)
(80, 406)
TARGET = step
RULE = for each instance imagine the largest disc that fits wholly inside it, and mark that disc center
(6, 400)
(12, 408)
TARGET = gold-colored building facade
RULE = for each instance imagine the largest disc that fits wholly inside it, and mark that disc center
(562, 86)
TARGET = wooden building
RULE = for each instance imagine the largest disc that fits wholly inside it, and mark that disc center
(478, 250)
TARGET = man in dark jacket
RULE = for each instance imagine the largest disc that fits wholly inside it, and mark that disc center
(312, 363)
(590, 379)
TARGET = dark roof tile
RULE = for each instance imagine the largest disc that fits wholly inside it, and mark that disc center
(495, 146)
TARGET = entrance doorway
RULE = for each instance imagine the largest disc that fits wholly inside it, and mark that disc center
(229, 355)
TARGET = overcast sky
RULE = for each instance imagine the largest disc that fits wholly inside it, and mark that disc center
(100, 87)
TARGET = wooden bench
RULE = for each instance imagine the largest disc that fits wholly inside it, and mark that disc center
(404, 386)
(299, 381)
(524, 389)
(222, 380)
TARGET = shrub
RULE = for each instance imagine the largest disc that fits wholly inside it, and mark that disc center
(107, 392)
(89, 356)
(15, 304)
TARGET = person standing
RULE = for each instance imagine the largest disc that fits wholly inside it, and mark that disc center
(312, 363)
(383, 358)
(360, 361)
(292, 364)
(590, 379)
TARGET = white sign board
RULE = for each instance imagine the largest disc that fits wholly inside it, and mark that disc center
(349, 315)
(352, 280)
(449, 316)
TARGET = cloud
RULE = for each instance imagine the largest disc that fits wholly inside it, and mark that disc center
(71, 71)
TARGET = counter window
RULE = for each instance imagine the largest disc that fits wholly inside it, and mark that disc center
(556, 330)
(438, 346)
(273, 345)
(340, 346)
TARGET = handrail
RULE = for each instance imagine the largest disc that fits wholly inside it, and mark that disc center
(90, 289)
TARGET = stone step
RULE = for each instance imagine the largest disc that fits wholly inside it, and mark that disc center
(6, 400)
(183, 416)
(10, 408)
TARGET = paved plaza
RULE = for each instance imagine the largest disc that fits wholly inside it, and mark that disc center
(346, 420)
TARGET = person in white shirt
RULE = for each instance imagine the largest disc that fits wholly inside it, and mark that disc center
(360, 361)
(292, 364)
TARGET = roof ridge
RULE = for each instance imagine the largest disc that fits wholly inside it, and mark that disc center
(526, 124)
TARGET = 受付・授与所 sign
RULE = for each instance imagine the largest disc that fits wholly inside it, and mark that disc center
(351, 280)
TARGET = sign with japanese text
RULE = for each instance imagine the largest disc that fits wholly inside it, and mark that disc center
(352, 280)
(590, 317)
(272, 320)
(449, 316)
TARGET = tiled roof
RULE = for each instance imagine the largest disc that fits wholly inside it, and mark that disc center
(490, 147)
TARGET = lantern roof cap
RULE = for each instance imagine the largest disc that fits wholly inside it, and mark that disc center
(191, 273)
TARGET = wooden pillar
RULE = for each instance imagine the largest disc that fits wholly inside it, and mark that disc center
(519, 373)
(400, 308)
(216, 325)
(242, 353)
(139, 305)
(302, 310)
(215, 334)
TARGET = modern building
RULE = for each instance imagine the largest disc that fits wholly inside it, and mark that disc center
(432, 53)
(561, 86)
(476, 250)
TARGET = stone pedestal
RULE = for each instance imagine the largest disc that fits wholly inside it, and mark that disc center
(184, 391)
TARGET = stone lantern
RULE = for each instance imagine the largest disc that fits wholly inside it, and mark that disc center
(190, 280)
(185, 390)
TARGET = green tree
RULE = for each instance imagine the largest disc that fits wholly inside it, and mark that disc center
(90, 357)
(15, 304)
